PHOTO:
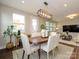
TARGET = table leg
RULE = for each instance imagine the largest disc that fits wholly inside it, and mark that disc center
(28, 56)
(39, 53)
(39, 50)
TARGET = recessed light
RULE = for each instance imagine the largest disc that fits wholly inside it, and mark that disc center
(65, 5)
(22, 1)
(72, 16)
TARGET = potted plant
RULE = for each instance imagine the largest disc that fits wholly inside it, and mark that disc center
(9, 32)
(43, 26)
(43, 29)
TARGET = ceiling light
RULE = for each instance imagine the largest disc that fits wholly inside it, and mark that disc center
(43, 13)
(22, 1)
(65, 5)
(72, 16)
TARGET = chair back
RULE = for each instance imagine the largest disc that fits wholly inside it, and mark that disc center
(52, 42)
(36, 34)
(25, 43)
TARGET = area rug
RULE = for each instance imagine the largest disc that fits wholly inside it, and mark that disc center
(62, 52)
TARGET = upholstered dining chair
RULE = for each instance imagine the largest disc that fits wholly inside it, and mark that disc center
(35, 34)
(27, 48)
(52, 43)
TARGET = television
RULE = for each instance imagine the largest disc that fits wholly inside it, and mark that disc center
(71, 28)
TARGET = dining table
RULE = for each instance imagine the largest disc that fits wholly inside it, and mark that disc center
(38, 40)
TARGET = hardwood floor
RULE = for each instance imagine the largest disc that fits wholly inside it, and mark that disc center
(7, 54)
(75, 54)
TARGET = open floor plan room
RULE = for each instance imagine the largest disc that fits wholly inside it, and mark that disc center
(39, 29)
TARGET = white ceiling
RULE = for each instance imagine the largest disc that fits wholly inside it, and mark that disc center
(55, 7)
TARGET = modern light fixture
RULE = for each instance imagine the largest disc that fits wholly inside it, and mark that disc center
(72, 16)
(44, 13)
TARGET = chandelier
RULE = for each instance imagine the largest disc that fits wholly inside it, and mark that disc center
(44, 13)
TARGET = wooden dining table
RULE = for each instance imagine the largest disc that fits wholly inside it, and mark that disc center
(38, 40)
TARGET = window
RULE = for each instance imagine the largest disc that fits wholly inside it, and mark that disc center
(50, 26)
(34, 25)
(19, 22)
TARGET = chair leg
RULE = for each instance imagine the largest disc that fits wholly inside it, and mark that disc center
(53, 52)
(28, 56)
(47, 55)
(39, 53)
(23, 54)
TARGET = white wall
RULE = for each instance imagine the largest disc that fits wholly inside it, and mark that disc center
(7, 19)
(0, 30)
(70, 22)
(0, 19)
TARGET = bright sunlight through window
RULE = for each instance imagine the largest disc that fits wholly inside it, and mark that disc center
(19, 22)
(34, 25)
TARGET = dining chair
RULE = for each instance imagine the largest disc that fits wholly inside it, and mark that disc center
(27, 48)
(51, 44)
(35, 34)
